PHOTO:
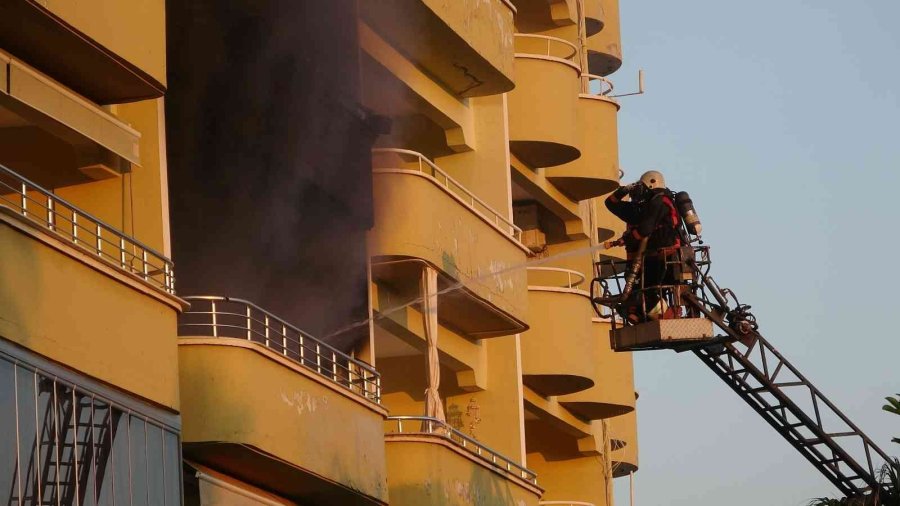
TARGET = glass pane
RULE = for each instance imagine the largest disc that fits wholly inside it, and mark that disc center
(121, 470)
(47, 440)
(9, 478)
(25, 386)
(85, 453)
(155, 465)
(103, 454)
(173, 469)
(138, 462)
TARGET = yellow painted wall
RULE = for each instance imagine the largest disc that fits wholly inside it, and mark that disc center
(584, 479)
(58, 306)
(134, 30)
(426, 472)
(501, 424)
(484, 171)
(242, 395)
(558, 350)
(416, 218)
(134, 202)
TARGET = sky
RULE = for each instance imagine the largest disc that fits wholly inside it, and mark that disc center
(782, 120)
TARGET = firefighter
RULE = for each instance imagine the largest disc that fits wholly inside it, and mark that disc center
(649, 213)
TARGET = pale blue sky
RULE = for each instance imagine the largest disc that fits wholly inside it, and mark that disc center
(782, 119)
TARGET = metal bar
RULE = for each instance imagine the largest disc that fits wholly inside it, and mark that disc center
(51, 215)
(249, 324)
(267, 332)
(24, 200)
(215, 327)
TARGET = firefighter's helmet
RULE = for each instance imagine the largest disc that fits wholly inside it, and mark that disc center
(653, 179)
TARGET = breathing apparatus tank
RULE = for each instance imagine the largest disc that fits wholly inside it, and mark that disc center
(685, 207)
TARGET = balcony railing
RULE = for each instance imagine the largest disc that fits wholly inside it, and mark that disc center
(597, 86)
(555, 277)
(225, 317)
(435, 427)
(425, 166)
(546, 47)
(565, 503)
(82, 229)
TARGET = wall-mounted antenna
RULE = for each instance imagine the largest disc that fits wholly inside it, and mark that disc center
(640, 87)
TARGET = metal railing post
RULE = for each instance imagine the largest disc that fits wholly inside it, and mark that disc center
(51, 217)
(99, 241)
(284, 344)
(215, 326)
(24, 200)
(74, 226)
(249, 324)
(267, 331)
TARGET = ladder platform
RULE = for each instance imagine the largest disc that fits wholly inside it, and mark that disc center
(662, 334)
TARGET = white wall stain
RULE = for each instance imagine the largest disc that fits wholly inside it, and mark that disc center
(304, 403)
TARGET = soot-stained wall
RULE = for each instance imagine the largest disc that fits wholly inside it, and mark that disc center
(269, 157)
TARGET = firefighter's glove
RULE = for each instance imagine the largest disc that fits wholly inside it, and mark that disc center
(622, 191)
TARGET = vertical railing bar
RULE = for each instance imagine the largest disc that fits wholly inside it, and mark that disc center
(334, 367)
(144, 258)
(74, 226)
(24, 200)
(215, 325)
(249, 324)
(267, 331)
(99, 241)
(284, 343)
(122, 251)
(318, 359)
(51, 217)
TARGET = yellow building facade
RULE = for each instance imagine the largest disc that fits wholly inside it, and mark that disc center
(454, 358)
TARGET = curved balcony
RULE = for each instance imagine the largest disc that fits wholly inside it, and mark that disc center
(596, 172)
(593, 16)
(272, 406)
(543, 108)
(605, 47)
(558, 351)
(427, 458)
(423, 214)
(468, 46)
(578, 481)
(625, 458)
(613, 390)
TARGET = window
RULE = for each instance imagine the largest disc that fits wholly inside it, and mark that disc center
(64, 443)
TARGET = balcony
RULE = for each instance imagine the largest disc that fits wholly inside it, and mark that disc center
(558, 350)
(625, 457)
(466, 45)
(596, 172)
(580, 481)
(271, 405)
(540, 15)
(428, 461)
(613, 390)
(422, 214)
(74, 287)
(605, 47)
(76, 42)
(57, 137)
(593, 16)
(543, 108)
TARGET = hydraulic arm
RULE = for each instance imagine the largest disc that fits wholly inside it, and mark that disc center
(733, 348)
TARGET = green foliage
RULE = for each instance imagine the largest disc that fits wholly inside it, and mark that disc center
(893, 406)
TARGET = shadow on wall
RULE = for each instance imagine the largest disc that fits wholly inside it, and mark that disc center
(269, 157)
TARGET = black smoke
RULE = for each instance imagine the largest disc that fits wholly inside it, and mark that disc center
(269, 156)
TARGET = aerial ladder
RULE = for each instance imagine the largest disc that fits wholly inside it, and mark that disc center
(689, 312)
